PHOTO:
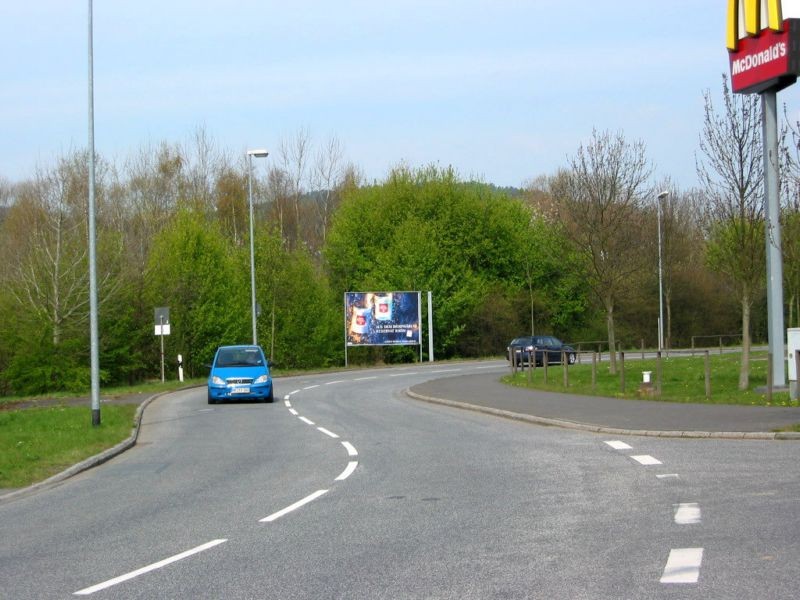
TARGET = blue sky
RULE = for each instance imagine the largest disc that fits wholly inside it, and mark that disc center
(502, 90)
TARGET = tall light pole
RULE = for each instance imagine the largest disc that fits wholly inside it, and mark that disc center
(260, 153)
(661, 196)
(94, 344)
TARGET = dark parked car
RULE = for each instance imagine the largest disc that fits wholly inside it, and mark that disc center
(539, 346)
(240, 373)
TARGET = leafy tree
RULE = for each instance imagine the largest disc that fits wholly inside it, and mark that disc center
(194, 272)
(599, 200)
(731, 175)
(426, 230)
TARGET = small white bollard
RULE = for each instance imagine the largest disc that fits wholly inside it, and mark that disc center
(646, 376)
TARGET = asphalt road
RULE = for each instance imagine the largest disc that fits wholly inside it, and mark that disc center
(349, 489)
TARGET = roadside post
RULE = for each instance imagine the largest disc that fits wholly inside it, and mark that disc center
(162, 329)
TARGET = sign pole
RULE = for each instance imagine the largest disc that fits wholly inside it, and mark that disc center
(769, 115)
(161, 332)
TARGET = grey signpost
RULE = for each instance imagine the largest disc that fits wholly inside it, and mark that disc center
(162, 329)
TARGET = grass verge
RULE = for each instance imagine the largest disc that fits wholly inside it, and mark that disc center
(682, 377)
(40, 442)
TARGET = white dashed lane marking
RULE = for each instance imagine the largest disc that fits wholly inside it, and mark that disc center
(295, 506)
(683, 566)
(147, 569)
(687, 513)
(618, 445)
(351, 451)
(351, 466)
(646, 459)
(306, 421)
(328, 433)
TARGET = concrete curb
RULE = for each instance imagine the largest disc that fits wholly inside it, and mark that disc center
(92, 461)
(730, 435)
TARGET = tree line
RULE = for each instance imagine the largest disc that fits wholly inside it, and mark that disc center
(573, 254)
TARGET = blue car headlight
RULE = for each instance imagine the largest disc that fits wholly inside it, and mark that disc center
(217, 380)
(262, 379)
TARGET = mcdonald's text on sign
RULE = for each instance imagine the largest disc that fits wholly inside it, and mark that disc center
(763, 47)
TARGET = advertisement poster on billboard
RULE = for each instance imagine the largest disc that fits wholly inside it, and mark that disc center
(382, 318)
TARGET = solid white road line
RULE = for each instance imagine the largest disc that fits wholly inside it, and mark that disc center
(294, 506)
(307, 421)
(683, 566)
(143, 570)
(311, 387)
(646, 459)
(294, 412)
(687, 513)
(365, 378)
(618, 445)
(668, 476)
(294, 392)
(328, 433)
(351, 466)
(351, 451)
(403, 374)
(335, 382)
(446, 371)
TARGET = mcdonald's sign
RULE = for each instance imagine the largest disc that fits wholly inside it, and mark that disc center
(763, 45)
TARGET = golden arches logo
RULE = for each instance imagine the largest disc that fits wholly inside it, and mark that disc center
(752, 19)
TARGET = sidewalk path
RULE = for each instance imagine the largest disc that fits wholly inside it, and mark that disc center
(639, 417)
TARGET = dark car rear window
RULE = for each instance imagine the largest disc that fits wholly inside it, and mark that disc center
(239, 357)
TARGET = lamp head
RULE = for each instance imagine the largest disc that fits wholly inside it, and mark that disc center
(258, 153)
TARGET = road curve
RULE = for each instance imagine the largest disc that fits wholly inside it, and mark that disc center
(346, 488)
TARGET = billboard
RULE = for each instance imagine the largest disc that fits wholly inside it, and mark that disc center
(763, 44)
(382, 318)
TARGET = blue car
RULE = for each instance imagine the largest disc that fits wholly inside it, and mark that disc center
(240, 373)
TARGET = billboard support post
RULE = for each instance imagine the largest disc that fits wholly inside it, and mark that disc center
(419, 321)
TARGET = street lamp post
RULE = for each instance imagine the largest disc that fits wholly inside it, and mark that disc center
(250, 154)
(94, 335)
(661, 196)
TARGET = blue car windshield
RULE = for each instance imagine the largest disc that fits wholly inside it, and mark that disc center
(239, 357)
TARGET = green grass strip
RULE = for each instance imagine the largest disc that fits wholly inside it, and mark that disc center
(682, 380)
(40, 442)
